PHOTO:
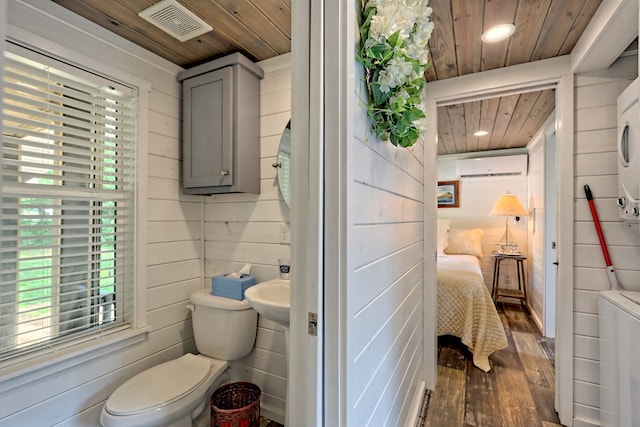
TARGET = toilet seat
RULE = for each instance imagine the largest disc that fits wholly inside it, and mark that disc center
(159, 386)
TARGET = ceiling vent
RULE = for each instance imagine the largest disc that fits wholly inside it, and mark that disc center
(175, 19)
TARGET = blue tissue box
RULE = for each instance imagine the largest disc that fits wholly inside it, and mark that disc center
(231, 288)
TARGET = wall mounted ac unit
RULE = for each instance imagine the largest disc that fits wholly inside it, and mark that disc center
(493, 166)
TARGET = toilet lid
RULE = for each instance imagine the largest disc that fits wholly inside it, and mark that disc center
(159, 386)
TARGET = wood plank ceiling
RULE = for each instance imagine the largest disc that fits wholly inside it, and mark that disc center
(261, 29)
(544, 29)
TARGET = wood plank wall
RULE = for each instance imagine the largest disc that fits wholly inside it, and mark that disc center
(384, 279)
(245, 228)
(74, 397)
(596, 165)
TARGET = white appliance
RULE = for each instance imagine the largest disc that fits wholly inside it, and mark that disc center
(493, 166)
(619, 318)
(629, 153)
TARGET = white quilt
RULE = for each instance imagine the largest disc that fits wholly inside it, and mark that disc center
(466, 310)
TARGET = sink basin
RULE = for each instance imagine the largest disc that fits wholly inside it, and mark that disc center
(271, 299)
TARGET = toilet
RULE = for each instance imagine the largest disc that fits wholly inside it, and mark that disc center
(176, 393)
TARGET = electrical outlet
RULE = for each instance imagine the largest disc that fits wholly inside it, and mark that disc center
(285, 234)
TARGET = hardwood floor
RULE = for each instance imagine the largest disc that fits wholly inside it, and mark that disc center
(518, 391)
(265, 422)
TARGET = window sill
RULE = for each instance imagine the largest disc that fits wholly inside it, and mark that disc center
(25, 370)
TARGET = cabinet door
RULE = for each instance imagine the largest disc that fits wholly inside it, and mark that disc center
(208, 132)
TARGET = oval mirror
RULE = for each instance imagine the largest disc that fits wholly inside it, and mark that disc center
(284, 164)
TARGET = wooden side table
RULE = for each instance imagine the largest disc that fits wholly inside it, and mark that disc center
(497, 291)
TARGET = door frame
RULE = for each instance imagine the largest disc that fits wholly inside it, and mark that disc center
(550, 234)
(305, 376)
(550, 73)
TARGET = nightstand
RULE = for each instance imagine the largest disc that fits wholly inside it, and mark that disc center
(497, 291)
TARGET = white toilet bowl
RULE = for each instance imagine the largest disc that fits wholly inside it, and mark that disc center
(176, 393)
(171, 394)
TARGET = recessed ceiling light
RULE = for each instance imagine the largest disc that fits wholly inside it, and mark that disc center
(481, 133)
(498, 33)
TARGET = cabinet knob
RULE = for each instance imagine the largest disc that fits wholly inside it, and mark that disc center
(224, 173)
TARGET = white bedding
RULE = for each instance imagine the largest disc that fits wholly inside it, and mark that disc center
(466, 310)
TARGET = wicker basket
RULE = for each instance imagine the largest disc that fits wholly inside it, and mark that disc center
(236, 405)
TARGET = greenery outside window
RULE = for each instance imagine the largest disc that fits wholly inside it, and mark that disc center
(67, 203)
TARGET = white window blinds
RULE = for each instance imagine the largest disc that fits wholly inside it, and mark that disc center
(67, 204)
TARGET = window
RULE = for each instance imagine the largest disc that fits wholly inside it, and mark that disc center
(67, 203)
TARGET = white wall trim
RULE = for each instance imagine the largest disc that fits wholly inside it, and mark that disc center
(416, 405)
(79, 60)
(305, 407)
(538, 144)
(334, 170)
(565, 215)
(481, 154)
(142, 191)
(516, 78)
(54, 361)
(430, 298)
(610, 31)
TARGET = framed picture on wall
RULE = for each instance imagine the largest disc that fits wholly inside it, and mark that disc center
(448, 194)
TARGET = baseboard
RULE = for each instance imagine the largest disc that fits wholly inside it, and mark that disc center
(585, 423)
(537, 320)
(416, 405)
(272, 413)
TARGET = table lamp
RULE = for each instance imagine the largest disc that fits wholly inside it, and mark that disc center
(508, 205)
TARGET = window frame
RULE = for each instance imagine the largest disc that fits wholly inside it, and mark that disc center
(33, 365)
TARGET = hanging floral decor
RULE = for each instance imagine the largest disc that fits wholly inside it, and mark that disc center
(394, 38)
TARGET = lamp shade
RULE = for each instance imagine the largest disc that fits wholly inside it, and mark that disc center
(508, 205)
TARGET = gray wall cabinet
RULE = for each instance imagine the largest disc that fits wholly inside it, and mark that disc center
(221, 126)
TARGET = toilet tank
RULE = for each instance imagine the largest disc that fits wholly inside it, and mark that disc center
(223, 328)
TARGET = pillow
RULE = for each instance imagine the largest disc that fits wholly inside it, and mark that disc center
(443, 235)
(465, 242)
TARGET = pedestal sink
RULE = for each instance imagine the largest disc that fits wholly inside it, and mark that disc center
(272, 300)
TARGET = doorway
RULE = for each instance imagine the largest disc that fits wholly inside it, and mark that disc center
(509, 128)
(497, 83)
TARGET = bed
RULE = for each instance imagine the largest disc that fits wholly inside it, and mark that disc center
(465, 307)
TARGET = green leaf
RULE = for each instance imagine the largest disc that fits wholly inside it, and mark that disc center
(394, 39)
(368, 14)
(378, 51)
(387, 57)
(403, 125)
(414, 99)
(379, 97)
(414, 114)
(410, 138)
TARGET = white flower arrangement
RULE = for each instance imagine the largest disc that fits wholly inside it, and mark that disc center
(394, 38)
